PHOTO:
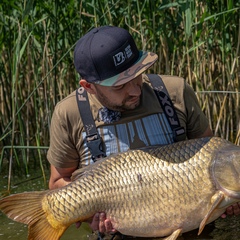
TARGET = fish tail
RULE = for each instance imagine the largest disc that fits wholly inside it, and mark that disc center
(27, 208)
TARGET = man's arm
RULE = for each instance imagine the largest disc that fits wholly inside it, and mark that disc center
(60, 177)
(208, 133)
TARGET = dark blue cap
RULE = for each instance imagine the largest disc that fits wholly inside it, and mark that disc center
(109, 56)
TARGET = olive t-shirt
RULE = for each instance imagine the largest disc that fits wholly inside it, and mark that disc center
(143, 126)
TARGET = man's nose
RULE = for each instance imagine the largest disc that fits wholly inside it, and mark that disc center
(133, 88)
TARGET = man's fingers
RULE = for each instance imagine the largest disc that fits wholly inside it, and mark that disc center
(233, 209)
(95, 222)
(101, 224)
(102, 218)
(224, 215)
(236, 208)
(78, 224)
(109, 227)
(229, 210)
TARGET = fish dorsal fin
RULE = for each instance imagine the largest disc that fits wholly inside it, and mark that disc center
(77, 174)
(216, 200)
(88, 170)
(81, 172)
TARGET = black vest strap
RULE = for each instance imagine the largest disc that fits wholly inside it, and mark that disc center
(167, 106)
(94, 141)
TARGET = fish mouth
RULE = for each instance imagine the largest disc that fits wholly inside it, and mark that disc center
(226, 170)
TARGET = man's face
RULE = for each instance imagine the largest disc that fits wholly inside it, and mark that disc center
(122, 97)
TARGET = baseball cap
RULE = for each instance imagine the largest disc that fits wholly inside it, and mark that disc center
(108, 56)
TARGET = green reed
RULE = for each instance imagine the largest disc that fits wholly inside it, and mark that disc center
(198, 40)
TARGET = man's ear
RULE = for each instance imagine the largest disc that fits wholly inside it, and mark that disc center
(89, 87)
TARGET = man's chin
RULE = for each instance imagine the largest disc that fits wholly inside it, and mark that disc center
(132, 105)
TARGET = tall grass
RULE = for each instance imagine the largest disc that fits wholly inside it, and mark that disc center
(198, 40)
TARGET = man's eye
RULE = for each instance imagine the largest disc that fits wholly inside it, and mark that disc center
(118, 87)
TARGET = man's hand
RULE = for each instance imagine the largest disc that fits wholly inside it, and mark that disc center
(232, 210)
(101, 224)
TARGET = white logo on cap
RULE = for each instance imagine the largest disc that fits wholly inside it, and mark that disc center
(120, 57)
(128, 51)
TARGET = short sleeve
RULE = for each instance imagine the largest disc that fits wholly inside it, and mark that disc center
(197, 122)
(62, 152)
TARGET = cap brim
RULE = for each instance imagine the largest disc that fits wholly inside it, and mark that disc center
(146, 60)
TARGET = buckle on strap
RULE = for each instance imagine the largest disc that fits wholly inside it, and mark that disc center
(95, 145)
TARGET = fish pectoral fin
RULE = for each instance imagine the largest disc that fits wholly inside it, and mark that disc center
(216, 200)
(174, 235)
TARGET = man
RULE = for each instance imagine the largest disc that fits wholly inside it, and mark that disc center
(124, 107)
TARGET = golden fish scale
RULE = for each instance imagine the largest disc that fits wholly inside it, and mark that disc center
(139, 196)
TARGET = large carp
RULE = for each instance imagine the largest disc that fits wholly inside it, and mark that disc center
(151, 192)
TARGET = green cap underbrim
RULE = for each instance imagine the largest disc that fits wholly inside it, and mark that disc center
(145, 60)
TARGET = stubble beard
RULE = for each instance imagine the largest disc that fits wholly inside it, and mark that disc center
(106, 102)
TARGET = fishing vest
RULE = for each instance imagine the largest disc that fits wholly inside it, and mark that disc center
(94, 140)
